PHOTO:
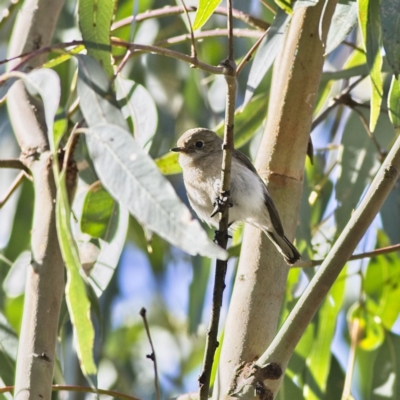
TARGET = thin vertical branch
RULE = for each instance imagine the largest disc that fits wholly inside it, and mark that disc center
(229, 70)
(151, 356)
(193, 51)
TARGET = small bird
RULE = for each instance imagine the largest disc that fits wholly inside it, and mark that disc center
(200, 156)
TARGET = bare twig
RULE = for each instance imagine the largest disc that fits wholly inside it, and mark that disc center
(174, 10)
(80, 389)
(14, 163)
(245, 33)
(14, 186)
(265, 4)
(249, 54)
(342, 98)
(368, 254)
(193, 51)
(229, 68)
(151, 356)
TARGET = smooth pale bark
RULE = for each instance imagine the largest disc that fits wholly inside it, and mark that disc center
(261, 278)
(45, 278)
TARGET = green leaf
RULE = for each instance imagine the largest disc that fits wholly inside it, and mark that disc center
(390, 19)
(169, 164)
(319, 359)
(97, 210)
(132, 178)
(371, 330)
(204, 12)
(343, 21)
(370, 25)
(95, 19)
(76, 296)
(394, 102)
(266, 53)
(138, 105)
(285, 5)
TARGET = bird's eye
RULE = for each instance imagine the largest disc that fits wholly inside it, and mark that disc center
(199, 144)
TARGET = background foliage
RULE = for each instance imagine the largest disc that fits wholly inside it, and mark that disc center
(159, 98)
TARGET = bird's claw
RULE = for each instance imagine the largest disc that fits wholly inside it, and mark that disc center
(218, 235)
(221, 202)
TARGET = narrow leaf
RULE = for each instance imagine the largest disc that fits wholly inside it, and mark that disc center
(138, 104)
(266, 53)
(95, 19)
(394, 102)
(168, 164)
(368, 12)
(343, 21)
(76, 296)
(132, 178)
(204, 12)
(390, 19)
(97, 100)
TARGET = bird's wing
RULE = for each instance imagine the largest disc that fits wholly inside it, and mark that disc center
(273, 212)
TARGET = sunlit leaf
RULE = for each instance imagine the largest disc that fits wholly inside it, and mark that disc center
(370, 331)
(343, 21)
(97, 210)
(394, 102)
(204, 12)
(168, 164)
(95, 19)
(138, 104)
(368, 13)
(390, 19)
(132, 178)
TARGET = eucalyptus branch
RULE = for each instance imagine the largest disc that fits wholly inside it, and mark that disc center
(281, 349)
(229, 70)
(80, 389)
(176, 10)
(367, 254)
(14, 163)
(151, 356)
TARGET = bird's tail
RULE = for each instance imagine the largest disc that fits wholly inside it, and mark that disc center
(285, 247)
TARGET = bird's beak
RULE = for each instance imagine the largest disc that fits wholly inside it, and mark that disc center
(178, 149)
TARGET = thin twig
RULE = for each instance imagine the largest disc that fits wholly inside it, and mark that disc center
(151, 356)
(229, 67)
(354, 336)
(368, 254)
(342, 98)
(175, 10)
(265, 4)
(249, 54)
(14, 163)
(17, 182)
(81, 389)
(168, 53)
(241, 33)
(193, 51)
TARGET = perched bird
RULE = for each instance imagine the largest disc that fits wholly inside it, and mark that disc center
(200, 156)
